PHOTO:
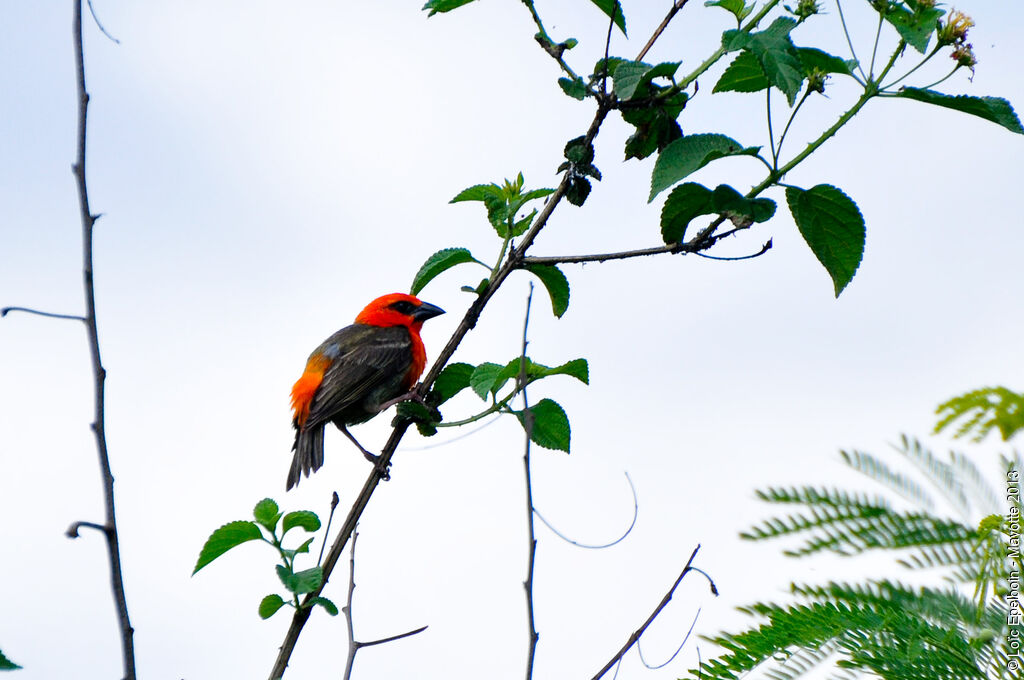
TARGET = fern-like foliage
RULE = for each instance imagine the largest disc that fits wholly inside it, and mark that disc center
(883, 628)
(982, 411)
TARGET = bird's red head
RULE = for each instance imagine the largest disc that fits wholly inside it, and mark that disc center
(398, 309)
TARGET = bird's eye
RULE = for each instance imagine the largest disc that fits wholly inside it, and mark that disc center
(403, 307)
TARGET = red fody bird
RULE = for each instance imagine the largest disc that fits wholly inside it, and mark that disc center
(357, 373)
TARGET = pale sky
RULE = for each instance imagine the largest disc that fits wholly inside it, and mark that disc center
(264, 170)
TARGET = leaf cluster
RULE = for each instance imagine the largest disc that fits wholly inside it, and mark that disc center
(546, 421)
(268, 521)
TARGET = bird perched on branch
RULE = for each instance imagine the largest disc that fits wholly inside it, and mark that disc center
(357, 373)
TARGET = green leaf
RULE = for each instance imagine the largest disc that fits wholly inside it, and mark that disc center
(738, 8)
(269, 605)
(549, 427)
(328, 606)
(775, 52)
(627, 77)
(579, 189)
(478, 192)
(914, 27)
(437, 263)
(441, 6)
(577, 89)
(452, 380)
(689, 154)
(610, 6)
(686, 202)
(832, 226)
(739, 209)
(301, 582)
(577, 368)
(225, 538)
(266, 513)
(994, 109)
(300, 518)
(691, 200)
(744, 74)
(6, 664)
(555, 283)
(630, 77)
(812, 59)
(483, 379)
(303, 547)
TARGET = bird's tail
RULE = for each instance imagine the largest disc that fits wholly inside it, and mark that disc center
(309, 453)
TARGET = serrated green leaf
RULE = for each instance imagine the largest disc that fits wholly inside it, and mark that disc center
(775, 52)
(478, 192)
(738, 8)
(627, 78)
(688, 154)
(612, 6)
(266, 513)
(300, 582)
(744, 74)
(441, 6)
(483, 378)
(577, 151)
(328, 606)
(555, 283)
(6, 664)
(994, 109)
(915, 28)
(549, 427)
(301, 518)
(577, 89)
(683, 204)
(812, 59)
(225, 538)
(452, 380)
(738, 208)
(269, 605)
(439, 262)
(833, 227)
(579, 189)
(577, 368)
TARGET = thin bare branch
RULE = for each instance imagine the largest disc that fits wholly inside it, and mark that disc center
(392, 638)
(531, 535)
(72, 531)
(353, 644)
(676, 6)
(49, 315)
(607, 46)
(657, 610)
(92, 11)
(99, 373)
(636, 510)
(327, 530)
(764, 249)
(347, 609)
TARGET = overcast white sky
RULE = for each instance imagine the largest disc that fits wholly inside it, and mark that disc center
(265, 169)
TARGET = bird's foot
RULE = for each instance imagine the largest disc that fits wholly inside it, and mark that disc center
(412, 395)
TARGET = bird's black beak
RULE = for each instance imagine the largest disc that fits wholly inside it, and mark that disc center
(427, 311)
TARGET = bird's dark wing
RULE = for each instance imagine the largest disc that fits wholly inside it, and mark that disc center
(367, 362)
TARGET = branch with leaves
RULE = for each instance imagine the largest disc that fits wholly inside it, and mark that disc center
(651, 98)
